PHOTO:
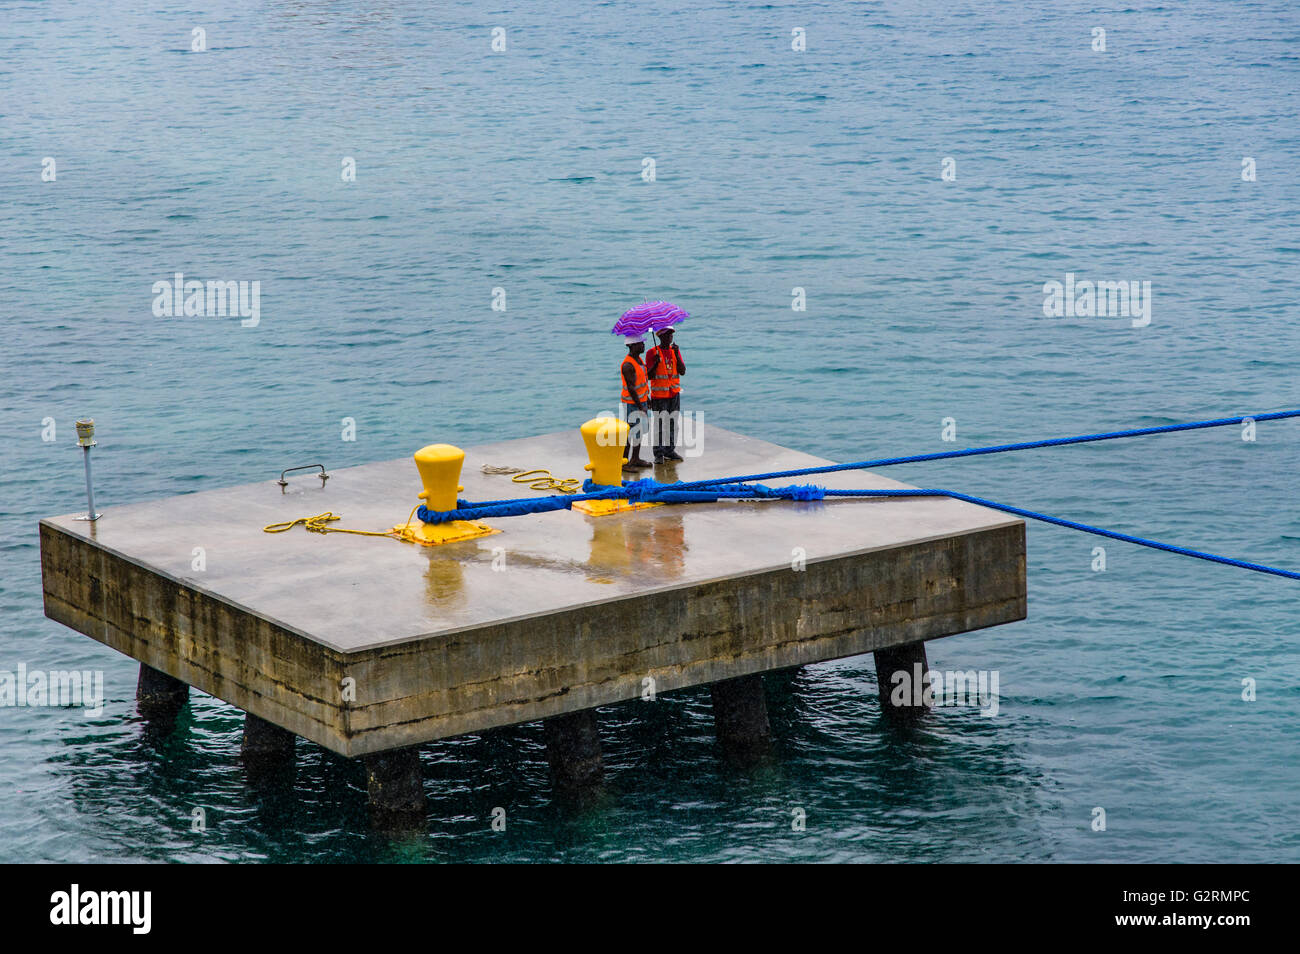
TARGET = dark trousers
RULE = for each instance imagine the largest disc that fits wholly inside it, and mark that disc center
(666, 412)
(637, 425)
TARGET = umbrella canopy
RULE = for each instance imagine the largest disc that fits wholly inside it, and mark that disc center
(649, 316)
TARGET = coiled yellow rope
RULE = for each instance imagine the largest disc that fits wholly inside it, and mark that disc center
(321, 524)
(539, 478)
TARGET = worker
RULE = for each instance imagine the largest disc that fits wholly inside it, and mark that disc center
(664, 366)
(636, 401)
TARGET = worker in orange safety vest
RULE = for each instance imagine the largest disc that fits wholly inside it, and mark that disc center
(665, 366)
(635, 400)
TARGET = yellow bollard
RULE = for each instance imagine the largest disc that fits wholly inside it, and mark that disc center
(606, 439)
(439, 466)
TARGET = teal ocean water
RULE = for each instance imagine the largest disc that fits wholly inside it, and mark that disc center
(775, 170)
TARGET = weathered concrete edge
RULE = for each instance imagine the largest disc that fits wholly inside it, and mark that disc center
(236, 667)
(472, 703)
(218, 648)
(380, 644)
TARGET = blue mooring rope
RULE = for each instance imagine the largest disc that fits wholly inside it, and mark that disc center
(702, 491)
(1003, 448)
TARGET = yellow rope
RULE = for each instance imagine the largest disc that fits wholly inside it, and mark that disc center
(539, 478)
(320, 524)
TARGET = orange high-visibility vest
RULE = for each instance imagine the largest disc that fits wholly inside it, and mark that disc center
(642, 385)
(666, 381)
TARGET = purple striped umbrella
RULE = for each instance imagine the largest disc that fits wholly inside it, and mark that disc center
(649, 316)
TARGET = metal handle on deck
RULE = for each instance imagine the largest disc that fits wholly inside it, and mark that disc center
(289, 470)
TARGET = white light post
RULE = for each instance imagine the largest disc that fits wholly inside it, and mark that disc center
(86, 438)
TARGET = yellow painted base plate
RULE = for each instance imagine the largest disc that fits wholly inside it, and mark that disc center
(603, 508)
(432, 534)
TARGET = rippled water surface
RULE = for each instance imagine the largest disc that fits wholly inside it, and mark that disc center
(775, 169)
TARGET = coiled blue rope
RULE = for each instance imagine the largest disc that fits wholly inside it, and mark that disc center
(700, 491)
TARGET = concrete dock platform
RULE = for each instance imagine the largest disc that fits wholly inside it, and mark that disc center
(368, 645)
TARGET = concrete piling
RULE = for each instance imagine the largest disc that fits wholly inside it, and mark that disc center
(265, 742)
(908, 659)
(158, 696)
(740, 717)
(395, 783)
(573, 751)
